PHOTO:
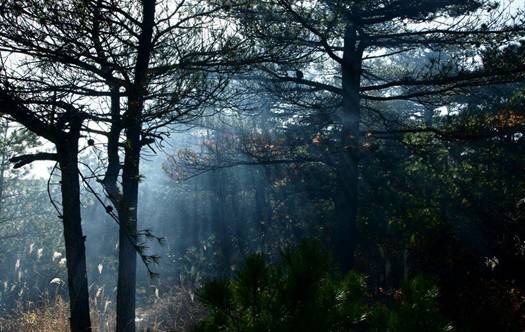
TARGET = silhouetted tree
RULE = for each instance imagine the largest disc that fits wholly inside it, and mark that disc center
(62, 128)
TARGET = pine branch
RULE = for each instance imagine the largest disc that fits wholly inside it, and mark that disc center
(22, 160)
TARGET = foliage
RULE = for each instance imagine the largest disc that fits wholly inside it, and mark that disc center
(303, 292)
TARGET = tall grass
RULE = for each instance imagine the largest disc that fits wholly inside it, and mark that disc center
(177, 312)
(48, 316)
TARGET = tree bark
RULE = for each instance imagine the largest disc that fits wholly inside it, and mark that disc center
(346, 166)
(73, 236)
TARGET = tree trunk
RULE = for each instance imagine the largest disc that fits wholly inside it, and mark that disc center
(127, 258)
(73, 236)
(3, 164)
(125, 203)
(346, 166)
(132, 122)
(127, 211)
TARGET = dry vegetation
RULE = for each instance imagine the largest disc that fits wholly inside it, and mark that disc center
(175, 312)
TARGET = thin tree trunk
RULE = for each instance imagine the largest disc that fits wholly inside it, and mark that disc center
(3, 164)
(346, 200)
(73, 236)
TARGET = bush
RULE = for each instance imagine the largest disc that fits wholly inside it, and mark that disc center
(303, 292)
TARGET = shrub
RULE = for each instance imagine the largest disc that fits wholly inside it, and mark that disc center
(303, 292)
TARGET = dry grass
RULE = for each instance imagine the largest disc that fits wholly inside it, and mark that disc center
(177, 312)
(49, 317)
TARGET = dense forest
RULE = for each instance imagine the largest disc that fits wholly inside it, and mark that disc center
(262, 165)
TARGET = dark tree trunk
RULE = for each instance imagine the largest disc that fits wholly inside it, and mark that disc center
(3, 166)
(127, 269)
(73, 236)
(132, 122)
(66, 143)
(126, 205)
(127, 211)
(346, 166)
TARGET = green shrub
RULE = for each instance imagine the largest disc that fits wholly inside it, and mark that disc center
(303, 292)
